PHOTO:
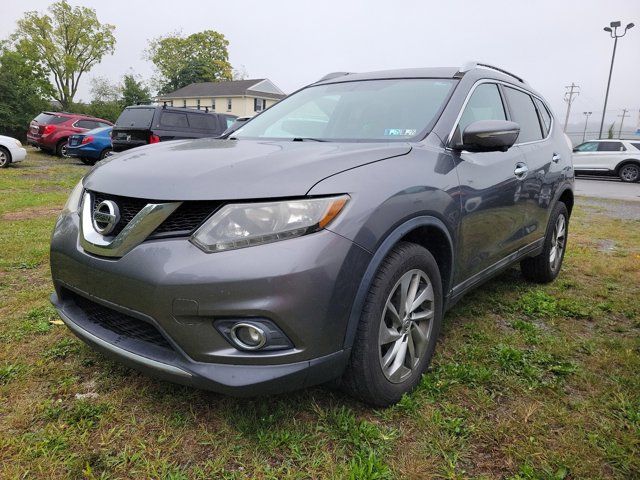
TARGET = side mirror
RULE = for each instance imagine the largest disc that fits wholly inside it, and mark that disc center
(488, 136)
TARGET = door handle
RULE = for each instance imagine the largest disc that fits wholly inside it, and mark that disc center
(556, 157)
(521, 170)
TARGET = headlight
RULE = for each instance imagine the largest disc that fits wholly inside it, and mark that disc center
(244, 225)
(18, 142)
(73, 202)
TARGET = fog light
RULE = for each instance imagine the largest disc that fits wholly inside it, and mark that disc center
(248, 336)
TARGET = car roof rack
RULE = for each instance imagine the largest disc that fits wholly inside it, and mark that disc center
(332, 75)
(471, 65)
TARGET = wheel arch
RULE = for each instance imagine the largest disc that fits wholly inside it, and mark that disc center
(566, 197)
(625, 162)
(8, 153)
(427, 231)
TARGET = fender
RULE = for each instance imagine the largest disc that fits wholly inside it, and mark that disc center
(382, 251)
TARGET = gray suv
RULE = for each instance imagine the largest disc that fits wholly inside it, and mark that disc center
(323, 240)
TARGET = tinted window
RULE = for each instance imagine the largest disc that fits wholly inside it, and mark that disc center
(203, 122)
(395, 109)
(135, 117)
(45, 118)
(485, 104)
(523, 112)
(102, 124)
(88, 124)
(587, 147)
(637, 145)
(611, 147)
(177, 120)
(545, 116)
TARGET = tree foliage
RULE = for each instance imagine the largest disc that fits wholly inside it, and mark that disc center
(200, 57)
(24, 92)
(134, 91)
(67, 42)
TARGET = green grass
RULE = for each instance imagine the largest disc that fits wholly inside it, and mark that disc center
(528, 382)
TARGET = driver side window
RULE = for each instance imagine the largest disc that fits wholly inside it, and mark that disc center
(485, 104)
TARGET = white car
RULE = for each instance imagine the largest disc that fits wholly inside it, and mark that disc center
(11, 151)
(609, 157)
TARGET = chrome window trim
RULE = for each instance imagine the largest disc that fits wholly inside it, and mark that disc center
(510, 85)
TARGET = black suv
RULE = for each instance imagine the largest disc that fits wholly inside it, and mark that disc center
(143, 124)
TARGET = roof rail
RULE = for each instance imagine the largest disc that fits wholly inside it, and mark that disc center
(332, 75)
(471, 65)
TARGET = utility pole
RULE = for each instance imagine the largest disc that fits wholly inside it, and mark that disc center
(623, 116)
(612, 29)
(572, 90)
(586, 120)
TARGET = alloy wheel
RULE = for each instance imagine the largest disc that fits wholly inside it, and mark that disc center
(557, 242)
(405, 326)
(630, 173)
(3, 159)
(63, 151)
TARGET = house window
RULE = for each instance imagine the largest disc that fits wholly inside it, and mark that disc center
(228, 104)
(213, 104)
(198, 103)
(184, 104)
(171, 103)
(259, 104)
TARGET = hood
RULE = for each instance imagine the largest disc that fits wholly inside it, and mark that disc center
(211, 169)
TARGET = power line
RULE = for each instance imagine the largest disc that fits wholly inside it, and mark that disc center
(572, 90)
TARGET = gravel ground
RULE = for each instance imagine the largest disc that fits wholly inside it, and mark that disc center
(613, 208)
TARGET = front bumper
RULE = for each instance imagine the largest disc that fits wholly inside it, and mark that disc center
(18, 154)
(304, 285)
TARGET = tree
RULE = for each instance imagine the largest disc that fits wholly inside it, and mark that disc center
(134, 91)
(67, 42)
(200, 57)
(611, 128)
(24, 92)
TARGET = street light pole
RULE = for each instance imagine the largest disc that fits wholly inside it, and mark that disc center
(586, 120)
(613, 31)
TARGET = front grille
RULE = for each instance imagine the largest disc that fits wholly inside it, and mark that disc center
(119, 323)
(182, 222)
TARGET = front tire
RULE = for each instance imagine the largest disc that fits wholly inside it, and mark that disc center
(629, 172)
(5, 157)
(398, 328)
(544, 268)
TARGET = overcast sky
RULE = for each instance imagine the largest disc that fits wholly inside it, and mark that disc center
(551, 43)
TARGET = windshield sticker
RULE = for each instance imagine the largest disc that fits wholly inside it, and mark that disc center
(401, 132)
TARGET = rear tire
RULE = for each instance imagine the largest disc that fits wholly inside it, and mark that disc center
(629, 172)
(61, 149)
(5, 157)
(104, 153)
(394, 344)
(544, 268)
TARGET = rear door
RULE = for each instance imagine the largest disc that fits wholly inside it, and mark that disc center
(609, 155)
(539, 155)
(173, 126)
(133, 128)
(492, 217)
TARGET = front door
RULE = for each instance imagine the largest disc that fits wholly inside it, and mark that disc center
(493, 217)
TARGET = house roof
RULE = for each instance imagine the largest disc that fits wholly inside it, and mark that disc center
(221, 89)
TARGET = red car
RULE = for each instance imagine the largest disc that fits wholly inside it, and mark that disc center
(50, 131)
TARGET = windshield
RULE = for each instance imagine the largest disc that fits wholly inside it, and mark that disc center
(396, 109)
(135, 117)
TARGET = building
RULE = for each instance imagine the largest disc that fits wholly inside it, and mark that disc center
(243, 98)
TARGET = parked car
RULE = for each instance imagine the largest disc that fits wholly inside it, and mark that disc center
(609, 157)
(143, 124)
(91, 146)
(325, 242)
(237, 123)
(11, 151)
(50, 131)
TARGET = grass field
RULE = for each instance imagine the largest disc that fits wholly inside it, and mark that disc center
(528, 382)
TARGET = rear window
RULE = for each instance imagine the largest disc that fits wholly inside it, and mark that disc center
(178, 120)
(48, 119)
(203, 121)
(636, 144)
(611, 147)
(136, 118)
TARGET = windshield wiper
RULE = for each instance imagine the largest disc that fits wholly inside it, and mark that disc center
(305, 139)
